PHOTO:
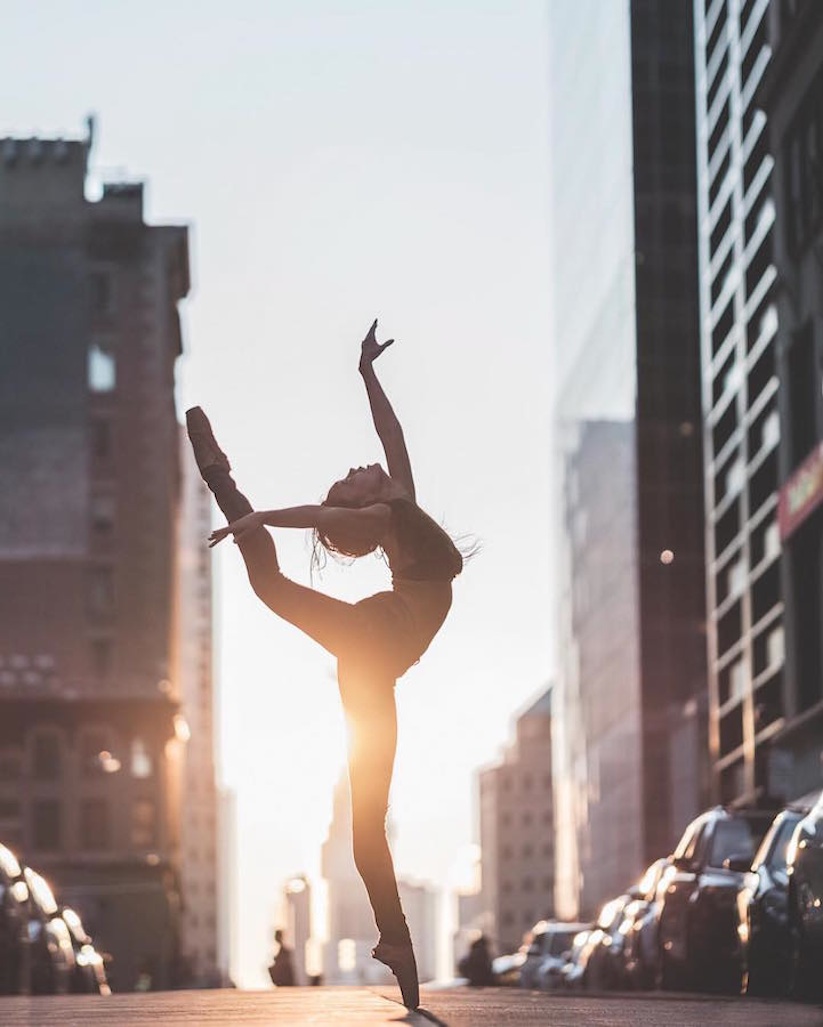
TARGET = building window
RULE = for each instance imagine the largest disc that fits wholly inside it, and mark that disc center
(141, 765)
(46, 827)
(91, 747)
(143, 825)
(101, 369)
(94, 825)
(101, 438)
(102, 513)
(101, 591)
(45, 756)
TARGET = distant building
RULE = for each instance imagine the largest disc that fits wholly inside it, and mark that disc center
(786, 714)
(517, 831)
(351, 927)
(297, 906)
(226, 883)
(352, 932)
(421, 906)
(629, 705)
(90, 739)
(199, 814)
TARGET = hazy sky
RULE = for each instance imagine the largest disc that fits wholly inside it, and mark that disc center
(338, 161)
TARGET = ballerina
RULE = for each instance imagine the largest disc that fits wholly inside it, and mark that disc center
(375, 640)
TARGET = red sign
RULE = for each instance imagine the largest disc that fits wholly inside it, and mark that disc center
(802, 493)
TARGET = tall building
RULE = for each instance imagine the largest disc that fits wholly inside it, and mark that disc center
(517, 831)
(629, 702)
(420, 905)
(89, 487)
(351, 928)
(739, 332)
(199, 813)
(297, 903)
(791, 94)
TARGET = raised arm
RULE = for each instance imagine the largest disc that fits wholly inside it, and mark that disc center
(385, 420)
(368, 520)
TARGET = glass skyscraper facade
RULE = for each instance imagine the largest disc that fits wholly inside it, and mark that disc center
(630, 696)
(739, 331)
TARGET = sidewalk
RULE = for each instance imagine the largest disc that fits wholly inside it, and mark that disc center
(379, 1007)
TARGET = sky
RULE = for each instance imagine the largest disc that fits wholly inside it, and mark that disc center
(337, 161)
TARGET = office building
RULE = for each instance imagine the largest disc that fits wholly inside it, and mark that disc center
(90, 736)
(629, 702)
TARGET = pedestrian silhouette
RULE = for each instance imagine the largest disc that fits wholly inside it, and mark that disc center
(476, 965)
(375, 640)
(281, 970)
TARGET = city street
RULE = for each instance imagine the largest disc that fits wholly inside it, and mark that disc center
(368, 1007)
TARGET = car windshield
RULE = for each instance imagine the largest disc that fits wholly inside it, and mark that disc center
(773, 850)
(560, 942)
(735, 837)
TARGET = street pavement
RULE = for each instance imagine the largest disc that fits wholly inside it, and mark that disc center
(370, 1007)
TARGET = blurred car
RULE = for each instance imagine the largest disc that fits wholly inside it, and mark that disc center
(804, 860)
(506, 968)
(641, 963)
(52, 950)
(571, 972)
(762, 911)
(697, 927)
(548, 938)
(557, 944)
(14, 916)
(599, 960)
(89, 975)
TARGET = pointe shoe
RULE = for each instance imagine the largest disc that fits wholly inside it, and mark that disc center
(206, 451)
(400, 960)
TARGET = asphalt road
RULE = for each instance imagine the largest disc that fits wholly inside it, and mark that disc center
(368, 1007)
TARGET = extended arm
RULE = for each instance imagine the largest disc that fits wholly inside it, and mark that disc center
(385, 420)
(368, 520)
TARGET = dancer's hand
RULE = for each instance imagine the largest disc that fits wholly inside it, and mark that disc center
(238, 528)
(371, 349)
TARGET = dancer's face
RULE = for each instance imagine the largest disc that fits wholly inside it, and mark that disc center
(360, 487)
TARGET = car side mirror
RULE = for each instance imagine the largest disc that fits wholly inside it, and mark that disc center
(738, 862)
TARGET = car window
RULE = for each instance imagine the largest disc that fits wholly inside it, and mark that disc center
(731, 838)
(776, 857)
(560, 941)
(691, 850)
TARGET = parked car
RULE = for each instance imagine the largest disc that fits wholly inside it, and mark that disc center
(762, 911)
(52, 950)
(14, 916)
(697, 927)
(506, 968)
(557, 944)
(641, 962)
(804, 860)
(89, 975)
(599, 960)
(549, 939)
(571, 972)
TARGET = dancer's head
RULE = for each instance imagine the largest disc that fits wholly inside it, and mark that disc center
(361, 487)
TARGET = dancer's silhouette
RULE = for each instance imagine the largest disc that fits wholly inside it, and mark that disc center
(375, 640)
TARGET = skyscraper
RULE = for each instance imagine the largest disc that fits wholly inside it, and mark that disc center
(629, 700)
(791, 93)
(739, 332)
(517, 830)
(90, 746)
